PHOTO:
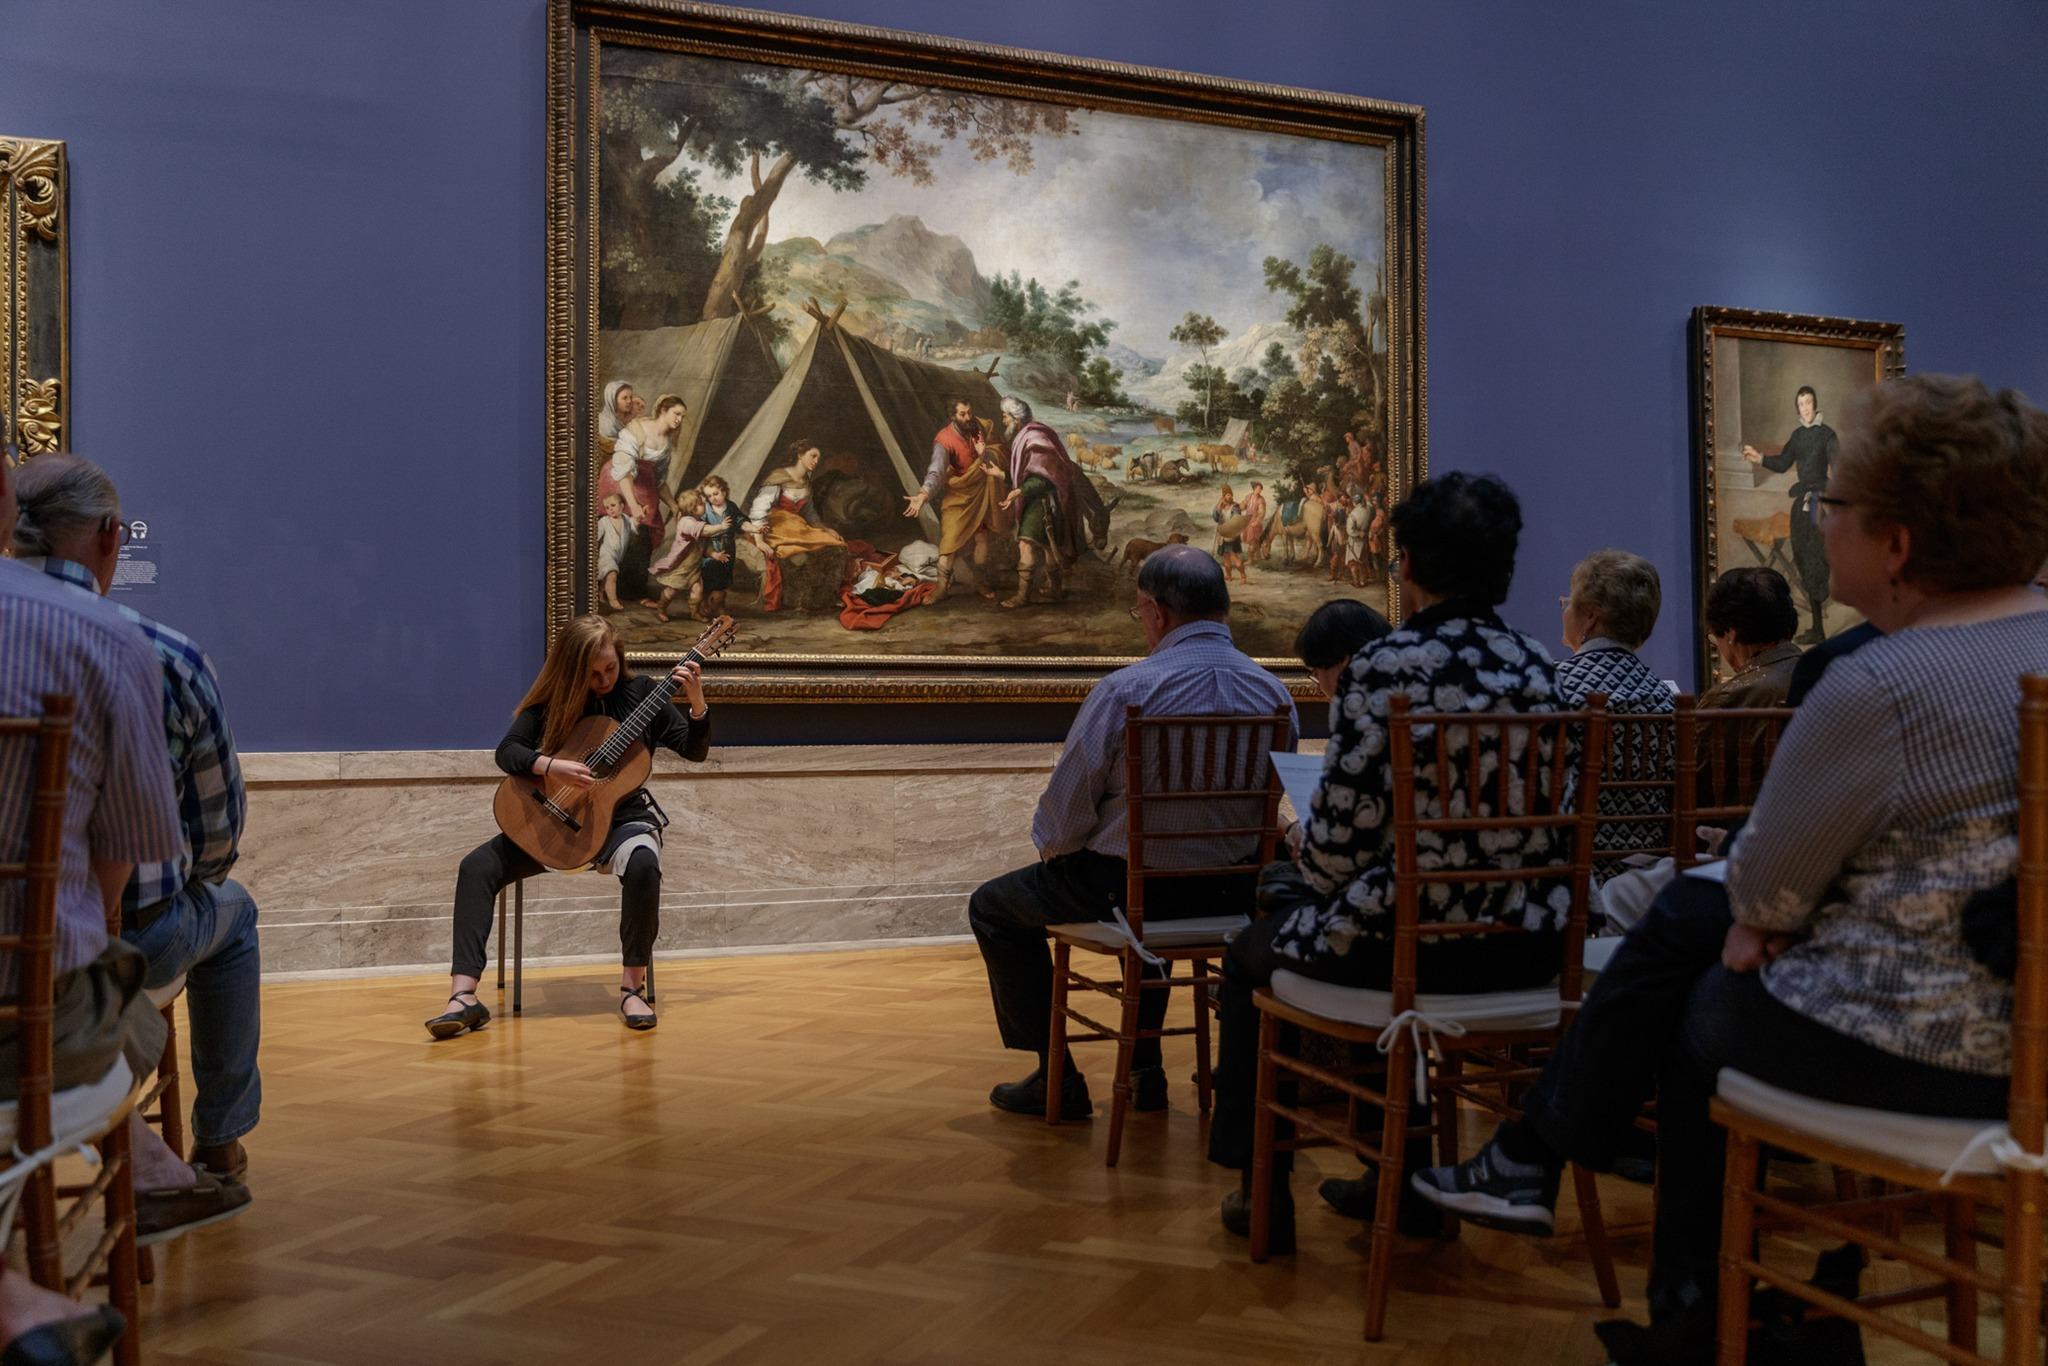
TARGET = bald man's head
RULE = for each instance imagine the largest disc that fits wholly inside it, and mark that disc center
(1186, 582)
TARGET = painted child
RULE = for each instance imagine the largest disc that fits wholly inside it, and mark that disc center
(681, 566)
(721, 527)
(614, 535)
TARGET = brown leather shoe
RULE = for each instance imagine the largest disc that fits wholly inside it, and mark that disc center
(229, 1159)
(161, 1215)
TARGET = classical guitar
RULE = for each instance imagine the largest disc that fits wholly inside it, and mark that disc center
(565, 826)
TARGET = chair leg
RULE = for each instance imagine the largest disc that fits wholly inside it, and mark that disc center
(39, 1221)
(2022, 1275)
(1738, 1235)
(1056, 1032)
(1393, 1158)
(1126, 1041)
(1262, 1136)
(501, 938)
(1958, 1222)
(518, 942)
(649, 979)
(122, 1283)
(171, 1104)
(1595, 1226)
(1446, 1115)
(1845, 1184)
(1203, 1089)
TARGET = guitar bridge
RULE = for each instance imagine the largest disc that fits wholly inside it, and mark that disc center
(547, 804)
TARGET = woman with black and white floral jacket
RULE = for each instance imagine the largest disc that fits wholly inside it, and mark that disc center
(1457, 536)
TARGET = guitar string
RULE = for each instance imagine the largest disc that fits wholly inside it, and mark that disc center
(637, 720)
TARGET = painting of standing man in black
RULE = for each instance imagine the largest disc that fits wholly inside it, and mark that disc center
(1764, 450)
(1810, 454)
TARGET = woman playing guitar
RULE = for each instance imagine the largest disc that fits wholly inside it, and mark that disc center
(581, 678)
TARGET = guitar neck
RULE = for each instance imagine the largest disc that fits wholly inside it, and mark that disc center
(634, 727)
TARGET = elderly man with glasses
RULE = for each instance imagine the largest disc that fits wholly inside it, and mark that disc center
(1193, 669)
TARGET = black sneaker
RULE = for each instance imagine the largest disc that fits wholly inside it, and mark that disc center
(1237, 1218)
(1493, 1192)
(1027, 1097)
(1358, 1198)
(1148, 1088)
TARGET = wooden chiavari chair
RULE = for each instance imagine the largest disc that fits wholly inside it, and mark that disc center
(1959, 1164)
(1185, 778)
(39, 1121)
(1490, 1030)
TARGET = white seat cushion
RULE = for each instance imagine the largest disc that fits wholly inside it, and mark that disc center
(1160, 934)
(1600, 952)
(167, 993)
(1922, 1140)
(1486, 1010)
(80, 1113)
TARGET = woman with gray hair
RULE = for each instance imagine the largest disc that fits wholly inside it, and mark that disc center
(1833, 961)
(1609, 613)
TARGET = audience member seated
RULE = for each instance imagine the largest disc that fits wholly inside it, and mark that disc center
(1814, 662)
(1609, 613)
(1751, 620)
(185, 915)
(1333, 633)
(1456, 536)
(120, 809)
(1193, 669)
(1833, 961)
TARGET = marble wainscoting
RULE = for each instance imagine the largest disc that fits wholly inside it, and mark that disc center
(352, 856)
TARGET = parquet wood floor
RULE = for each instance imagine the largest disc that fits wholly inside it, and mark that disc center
(799, 1166)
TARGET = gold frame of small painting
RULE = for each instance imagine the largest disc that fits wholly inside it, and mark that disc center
(35, 297)
(1765, 386)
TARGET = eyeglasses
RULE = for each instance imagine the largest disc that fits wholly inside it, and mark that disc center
(1564, 600)
(1823, 507)
(115, 524)
(1138, 609)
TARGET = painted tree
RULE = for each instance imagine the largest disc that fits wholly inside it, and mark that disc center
(776, 123)
(1336, 321)
(1202, 332)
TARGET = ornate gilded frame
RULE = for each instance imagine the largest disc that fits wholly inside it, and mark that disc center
(35, 297)
(1886, 343)
(577, 31)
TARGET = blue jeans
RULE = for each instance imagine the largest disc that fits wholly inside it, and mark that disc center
(209, 933)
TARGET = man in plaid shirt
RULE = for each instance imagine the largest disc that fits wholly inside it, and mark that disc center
(186, 916)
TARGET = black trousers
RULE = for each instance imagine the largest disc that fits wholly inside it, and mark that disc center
(1663, 1020)
(495, 865)
(1505, 962)
(1008, 915)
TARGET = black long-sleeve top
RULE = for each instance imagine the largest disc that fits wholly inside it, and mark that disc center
(671, 728)
(1811, 450)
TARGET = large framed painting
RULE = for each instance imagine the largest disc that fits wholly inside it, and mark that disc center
(905, 351)
(35, 285)
(1765, 386)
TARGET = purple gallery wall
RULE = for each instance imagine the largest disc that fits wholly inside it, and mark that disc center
(307, 261)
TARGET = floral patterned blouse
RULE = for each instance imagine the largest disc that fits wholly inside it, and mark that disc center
(1453, 657)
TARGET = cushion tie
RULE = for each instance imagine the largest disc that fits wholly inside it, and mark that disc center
(1129, 936)
(1422, 1030)
(2005, 1150)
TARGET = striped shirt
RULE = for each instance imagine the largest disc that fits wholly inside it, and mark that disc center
(120, 806)
(1892, 798)
(212, 804)
(1194, 671)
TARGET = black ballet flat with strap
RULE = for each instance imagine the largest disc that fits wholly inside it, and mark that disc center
(475, 1015)
(636, 1021)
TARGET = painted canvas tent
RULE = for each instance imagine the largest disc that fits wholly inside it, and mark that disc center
(873, 413)
(723, 369)
(1237, 434)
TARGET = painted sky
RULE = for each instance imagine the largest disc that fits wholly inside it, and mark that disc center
(1154, 217)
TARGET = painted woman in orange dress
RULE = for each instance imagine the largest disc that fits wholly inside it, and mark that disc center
(783, 520)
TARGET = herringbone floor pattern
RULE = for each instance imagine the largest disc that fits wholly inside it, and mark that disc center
(800, 1165)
